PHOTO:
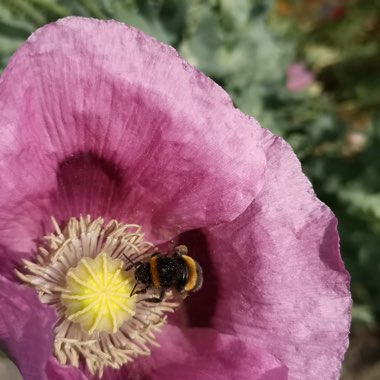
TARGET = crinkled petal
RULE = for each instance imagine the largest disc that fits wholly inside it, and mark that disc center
(278, 275)
(26, 329)
(98, 118)
(203, 354)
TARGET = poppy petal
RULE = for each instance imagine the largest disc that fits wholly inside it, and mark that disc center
(203, 354)
(57, 371)
(98, 118)
(207, 354)
(280, 277)
(26, 328)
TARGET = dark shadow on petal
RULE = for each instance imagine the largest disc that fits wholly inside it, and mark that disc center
(200, 306)
(88, 184)
(84, 161)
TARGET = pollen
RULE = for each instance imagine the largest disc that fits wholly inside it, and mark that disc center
(97, 294)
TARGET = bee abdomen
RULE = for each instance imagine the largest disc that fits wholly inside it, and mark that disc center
(194, 278)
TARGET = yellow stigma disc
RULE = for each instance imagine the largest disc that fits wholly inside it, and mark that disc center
(97, 294)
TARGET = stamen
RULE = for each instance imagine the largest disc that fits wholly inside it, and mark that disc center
(79, 271)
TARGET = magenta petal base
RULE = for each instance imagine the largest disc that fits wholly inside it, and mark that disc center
(26, 328)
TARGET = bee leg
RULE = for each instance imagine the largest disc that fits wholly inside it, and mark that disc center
(156, 300)
(141, 291)
(183, 294)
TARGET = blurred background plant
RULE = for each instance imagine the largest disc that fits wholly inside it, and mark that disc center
(307, 70)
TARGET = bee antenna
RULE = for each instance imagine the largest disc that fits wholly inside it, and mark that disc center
(133, 264)
(133, 289)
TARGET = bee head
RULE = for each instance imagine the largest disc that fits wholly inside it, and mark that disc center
(142, 273)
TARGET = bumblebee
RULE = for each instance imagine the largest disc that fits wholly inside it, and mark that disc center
(177, 271)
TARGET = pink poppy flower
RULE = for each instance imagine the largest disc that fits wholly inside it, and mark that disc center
(298, 77)
(98, 119)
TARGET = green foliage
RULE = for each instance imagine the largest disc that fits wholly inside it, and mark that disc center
(246, 46)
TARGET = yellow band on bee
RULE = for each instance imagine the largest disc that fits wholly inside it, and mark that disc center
(192, 277)
(153, 272)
